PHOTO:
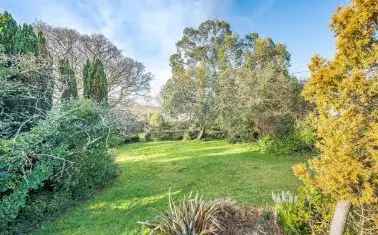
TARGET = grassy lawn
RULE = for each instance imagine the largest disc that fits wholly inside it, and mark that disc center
(214, 169)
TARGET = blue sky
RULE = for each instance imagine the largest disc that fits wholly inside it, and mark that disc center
(148, 29)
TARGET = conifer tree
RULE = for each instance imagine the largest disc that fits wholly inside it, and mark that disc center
(8, 29)
(95, 82)
(26, 82)
(68, 79)
(86, 78)
(345, 93)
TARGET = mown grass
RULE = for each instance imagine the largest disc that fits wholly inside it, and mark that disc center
(215, 169)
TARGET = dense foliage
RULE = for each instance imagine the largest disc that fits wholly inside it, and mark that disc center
(64, 157)
(25, 77)
(308, 212)
(53, 144)
(239, 86)
(95, 82)
(345, 93)
(68, 79)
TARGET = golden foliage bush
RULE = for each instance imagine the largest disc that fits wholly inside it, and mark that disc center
(344, 91)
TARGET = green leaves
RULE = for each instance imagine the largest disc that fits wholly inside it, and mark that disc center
(26, 84)
(239, 85)
(68, 79)
(64, 155)
(95, 82)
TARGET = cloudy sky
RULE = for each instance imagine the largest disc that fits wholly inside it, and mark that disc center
(148, 29)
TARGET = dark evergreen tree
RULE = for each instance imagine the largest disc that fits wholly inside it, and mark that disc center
(95, 83)
(25, 40)
(98, 83)
(8, 29)
(67, 76)
(86, 78)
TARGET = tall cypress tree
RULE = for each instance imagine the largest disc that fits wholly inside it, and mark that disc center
(98, 82)
(67, 76)
(94, 81)
(344, 91)
(86, 78)
(8, 30)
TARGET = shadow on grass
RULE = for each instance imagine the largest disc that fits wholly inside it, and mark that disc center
(213, 169)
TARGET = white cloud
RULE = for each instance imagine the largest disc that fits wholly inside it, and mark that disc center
(146, 30)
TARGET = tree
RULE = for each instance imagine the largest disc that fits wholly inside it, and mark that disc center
(266, 98)
(197, 59)
(344, 91)
(241, 86)
(67, 76)
(86, 78)
(8, 29)
(95, 82)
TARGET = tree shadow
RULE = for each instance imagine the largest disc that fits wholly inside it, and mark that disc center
(247, 176)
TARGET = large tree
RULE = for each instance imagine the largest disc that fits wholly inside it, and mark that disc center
(268, 98)
(241, 86)
(196, 69)
(345, 93)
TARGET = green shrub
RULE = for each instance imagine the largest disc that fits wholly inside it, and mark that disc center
(307, 213)
(214, 135)
(115, 140)
(288, 144)
(265, 143)
(167, 134)
(132, 139)
(301, 140)
(63, 158)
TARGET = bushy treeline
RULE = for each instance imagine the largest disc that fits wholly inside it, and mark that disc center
(240, 87)
(55, 130)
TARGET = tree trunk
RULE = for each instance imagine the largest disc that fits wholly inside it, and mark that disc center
(340, 217)
(201, 133)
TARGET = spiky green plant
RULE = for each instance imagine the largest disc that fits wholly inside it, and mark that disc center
(191, 216)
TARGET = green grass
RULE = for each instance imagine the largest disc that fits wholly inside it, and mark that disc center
(215, 169)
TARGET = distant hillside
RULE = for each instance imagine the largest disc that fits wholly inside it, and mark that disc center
(142, 110)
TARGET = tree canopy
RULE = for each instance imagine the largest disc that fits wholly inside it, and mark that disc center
(241, 86)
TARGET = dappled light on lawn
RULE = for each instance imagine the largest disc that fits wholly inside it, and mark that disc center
(215, 169)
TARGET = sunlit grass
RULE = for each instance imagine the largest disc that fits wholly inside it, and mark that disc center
(215, 169)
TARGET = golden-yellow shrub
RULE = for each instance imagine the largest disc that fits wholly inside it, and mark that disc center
(344, 91)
